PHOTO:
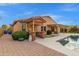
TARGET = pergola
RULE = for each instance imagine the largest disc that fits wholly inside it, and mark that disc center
(34, 22)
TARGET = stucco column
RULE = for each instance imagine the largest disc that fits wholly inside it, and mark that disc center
(58, 29)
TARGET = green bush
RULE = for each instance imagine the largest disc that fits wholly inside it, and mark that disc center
(74, 29)
(49, 32)
(20, 34)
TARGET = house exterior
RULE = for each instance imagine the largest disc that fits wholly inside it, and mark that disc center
(45, 21)
(37, 26)
(64, 28)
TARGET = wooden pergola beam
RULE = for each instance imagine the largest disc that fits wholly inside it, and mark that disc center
(33, 26)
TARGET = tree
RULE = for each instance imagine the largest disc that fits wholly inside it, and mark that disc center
(74, 29)
(4, 27)
(9, 28)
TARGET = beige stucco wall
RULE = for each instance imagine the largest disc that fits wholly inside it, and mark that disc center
(49, 20)
(17, 27)
(38, 28)
(58, 29)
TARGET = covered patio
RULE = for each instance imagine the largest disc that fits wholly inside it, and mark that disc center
(54, 28)
(35, 26)
(63, 28)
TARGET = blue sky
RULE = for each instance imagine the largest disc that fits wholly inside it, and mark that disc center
(67, 13)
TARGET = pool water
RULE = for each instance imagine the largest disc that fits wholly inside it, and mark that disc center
(70, 42)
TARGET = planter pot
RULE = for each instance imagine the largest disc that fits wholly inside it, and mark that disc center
(42, 34)
(33, 34)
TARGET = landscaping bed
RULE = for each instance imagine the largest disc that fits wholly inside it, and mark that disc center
(20, 35)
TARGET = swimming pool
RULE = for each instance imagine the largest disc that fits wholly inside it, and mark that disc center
(71, 42)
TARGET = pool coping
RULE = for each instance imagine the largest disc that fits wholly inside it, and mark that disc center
(57, 46)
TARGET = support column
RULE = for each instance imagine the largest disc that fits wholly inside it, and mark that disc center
(55, 29)
(58, 29)
(33, 32)
(26, 28)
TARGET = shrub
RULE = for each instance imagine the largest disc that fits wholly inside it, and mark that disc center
(74, 30)
(49, 32)
(20, 34)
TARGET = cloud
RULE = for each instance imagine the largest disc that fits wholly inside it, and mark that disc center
(54, 16)
(70, 7)
(60, 19)
(28, 13)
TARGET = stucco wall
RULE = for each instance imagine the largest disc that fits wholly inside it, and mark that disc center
(49, 20)
(38, 28)
(17, 27)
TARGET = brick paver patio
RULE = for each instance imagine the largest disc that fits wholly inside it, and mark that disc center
(8, 47)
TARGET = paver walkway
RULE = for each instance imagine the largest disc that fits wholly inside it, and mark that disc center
(8, 47)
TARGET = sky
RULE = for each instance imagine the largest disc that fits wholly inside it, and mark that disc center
(62, 13)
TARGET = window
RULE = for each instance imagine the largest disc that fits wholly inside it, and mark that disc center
(23, 26)
(43, 27)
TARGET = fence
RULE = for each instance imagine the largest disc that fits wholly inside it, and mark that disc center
(1, 32)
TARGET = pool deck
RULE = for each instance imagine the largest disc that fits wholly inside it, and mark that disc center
(9, 47)
(51, 43)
